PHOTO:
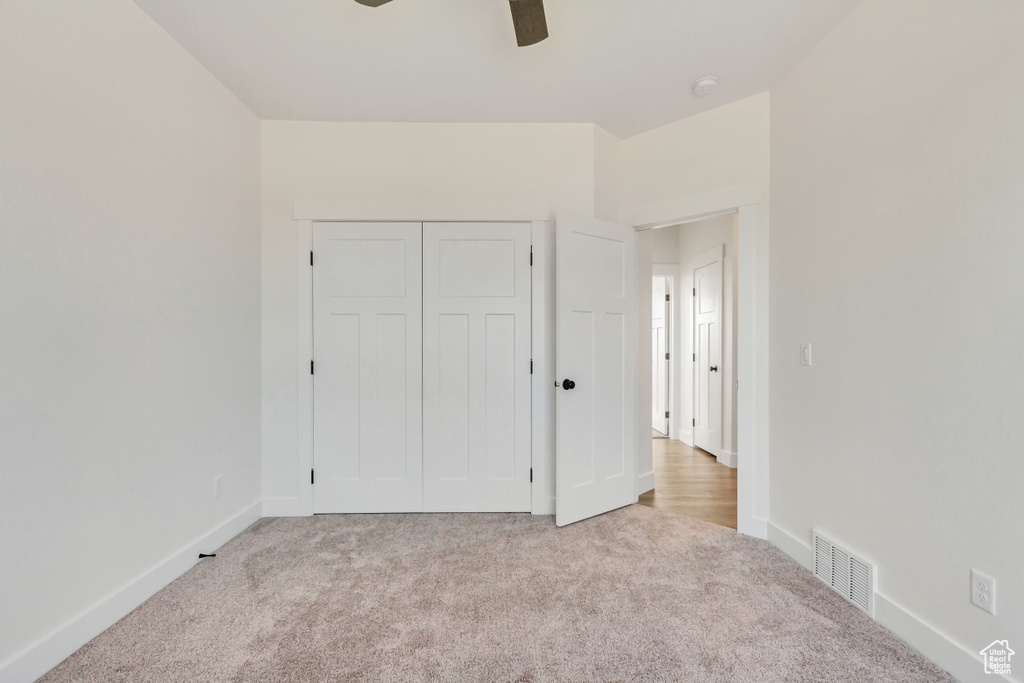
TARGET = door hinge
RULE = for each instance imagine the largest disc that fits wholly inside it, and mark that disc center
(311, 367)
(666, 356)
(694, 422)
(531, 254)
(694, 358)
(695, 291)
(311, 258)
(312, 476)
(667, 298)
(531, 366)
(666, 414)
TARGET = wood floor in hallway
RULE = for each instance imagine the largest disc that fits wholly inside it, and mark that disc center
(691, 482)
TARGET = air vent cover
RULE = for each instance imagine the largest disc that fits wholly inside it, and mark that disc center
(847, 574)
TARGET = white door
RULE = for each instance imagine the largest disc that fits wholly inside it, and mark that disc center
(367, 345)
(707, 345)
(596, 333)
(659, 356)
(476, 367)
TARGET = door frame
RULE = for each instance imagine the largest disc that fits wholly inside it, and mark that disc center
(306, 213)
(752, 455)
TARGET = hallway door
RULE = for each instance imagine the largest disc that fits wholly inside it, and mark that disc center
(707, 345)
(659, 355)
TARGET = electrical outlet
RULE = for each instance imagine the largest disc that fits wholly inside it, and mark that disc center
(983, 591)
(218, 486)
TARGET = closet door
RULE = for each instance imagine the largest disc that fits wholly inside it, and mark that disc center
(367, 388)
(476, 367)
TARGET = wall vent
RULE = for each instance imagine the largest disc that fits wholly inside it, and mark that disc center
(847, 574)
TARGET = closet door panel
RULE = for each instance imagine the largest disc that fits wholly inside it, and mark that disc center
(367, 386)
(476, 364)
(452, 408)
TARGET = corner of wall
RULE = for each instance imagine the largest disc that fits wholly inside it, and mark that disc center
(62, 642)
(607, 175)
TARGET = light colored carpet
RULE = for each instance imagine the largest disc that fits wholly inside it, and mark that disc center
(633, 595)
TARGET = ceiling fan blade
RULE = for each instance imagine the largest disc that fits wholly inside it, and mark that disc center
(528, 19)
(372, 3)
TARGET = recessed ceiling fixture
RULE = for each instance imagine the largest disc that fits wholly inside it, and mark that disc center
(705, 85)
(527, 18)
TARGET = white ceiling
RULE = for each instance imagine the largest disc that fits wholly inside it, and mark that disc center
(626, 65)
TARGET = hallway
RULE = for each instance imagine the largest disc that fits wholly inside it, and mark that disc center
(691, 482)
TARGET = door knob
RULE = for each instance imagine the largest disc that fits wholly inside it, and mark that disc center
(714, 368)
(568, 384)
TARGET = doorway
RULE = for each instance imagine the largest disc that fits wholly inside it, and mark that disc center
(691, 482)
(694, 469)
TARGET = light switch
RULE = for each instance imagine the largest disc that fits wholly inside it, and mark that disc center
(805, 354)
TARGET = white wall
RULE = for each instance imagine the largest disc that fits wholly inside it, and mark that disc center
(897, 251)
(572, 167)
(665, 246)
(706, 163)
(607, 175)
(700, 158)
(129, 359)
(442, 164)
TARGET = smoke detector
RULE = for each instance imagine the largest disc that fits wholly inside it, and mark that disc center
(705, 85)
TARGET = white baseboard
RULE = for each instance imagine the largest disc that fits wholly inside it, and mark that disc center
(727, 458)
(286, 507)
(792, 546)
(752, 526)
(545, 505)
(686, 437)
(293, 507)
(946, 653)
(645, 482)
(52, 649)
(964, 665)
